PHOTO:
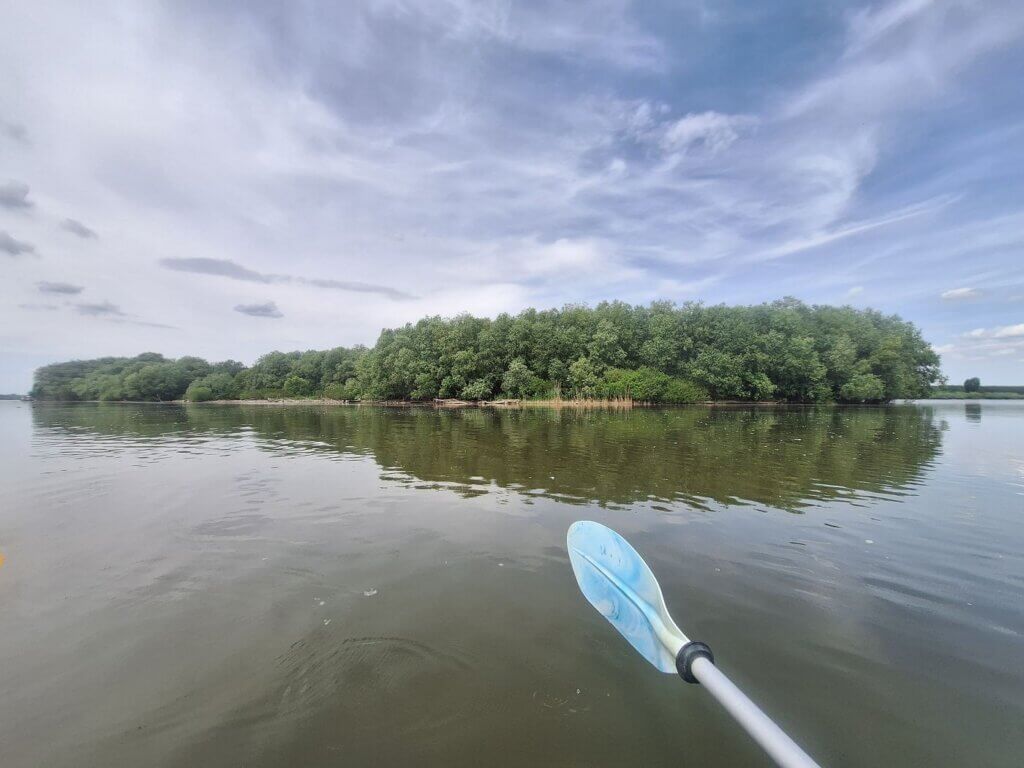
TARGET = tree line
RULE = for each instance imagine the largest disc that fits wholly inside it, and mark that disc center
(662, 352)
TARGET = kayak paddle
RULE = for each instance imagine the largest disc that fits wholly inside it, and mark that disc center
(616, 580)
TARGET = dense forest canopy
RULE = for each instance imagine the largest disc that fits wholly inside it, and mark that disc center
(785, 350)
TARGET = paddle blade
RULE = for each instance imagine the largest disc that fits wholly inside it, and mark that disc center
(616, 580)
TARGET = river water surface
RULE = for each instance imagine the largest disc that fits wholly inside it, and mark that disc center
(355, 586)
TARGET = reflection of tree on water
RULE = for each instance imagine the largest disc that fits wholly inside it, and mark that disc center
(781, 456)
(972, 411)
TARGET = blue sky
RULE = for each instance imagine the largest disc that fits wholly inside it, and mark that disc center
(227, 179)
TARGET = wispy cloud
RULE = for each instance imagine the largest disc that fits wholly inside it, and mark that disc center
(998, 332)
(712, 132)
(99, 309)
(266, 309)
(986, 344)
(234, 271)
(514, 154)
(14, 131)
(215, 267)
(144, 323)
(13, 247)
(831, 235)
(113, 313)
(14, 194)
(1009, 331)
(960, 294)
(78, 228)
(870, 25)
(603, 32)
(68, 289)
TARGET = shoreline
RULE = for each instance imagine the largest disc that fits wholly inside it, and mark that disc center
(455, 405)
(620, 404)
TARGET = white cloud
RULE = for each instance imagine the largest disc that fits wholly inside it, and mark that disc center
(502, 155)
(603, 31)
(855, 290)
(989, 344)
(708, 131)
(873, 24)
(906, 53)
(1009, 331)
(958, 294)
(831, 235)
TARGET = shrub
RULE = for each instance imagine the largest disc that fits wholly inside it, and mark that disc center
(759, 386)
(347, 391)
(216, 386)
(683, 391)
(863, 388)
(643, 384)
(199, 393)
(480, 389)
(583, 379)
(649, 386)
(296, 386)
(518, 380)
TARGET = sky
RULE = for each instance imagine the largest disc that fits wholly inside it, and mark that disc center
(225, 179)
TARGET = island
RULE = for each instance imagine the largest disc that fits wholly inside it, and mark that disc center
(614, 352)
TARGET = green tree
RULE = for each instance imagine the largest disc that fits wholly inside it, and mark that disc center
(518, 380)
(157, 381)
(972, 384)
(582, 378)
(645, 385)
(479, 389)
(682, 391)
(863, 388)
(230, 367)
(215, 386)
(296, 386)
(348, 390)
(782, 350)
(604, 348)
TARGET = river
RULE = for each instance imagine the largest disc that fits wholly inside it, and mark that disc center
(323, 586)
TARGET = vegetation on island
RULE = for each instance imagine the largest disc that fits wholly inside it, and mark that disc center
(973, 390)
(660, 353)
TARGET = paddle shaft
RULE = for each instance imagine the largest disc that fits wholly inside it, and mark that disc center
(782, 749)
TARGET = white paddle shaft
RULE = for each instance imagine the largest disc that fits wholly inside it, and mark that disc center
(782, 749)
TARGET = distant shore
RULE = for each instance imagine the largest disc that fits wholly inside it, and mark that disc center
(593, 404)
(947, 394)
(440, 404)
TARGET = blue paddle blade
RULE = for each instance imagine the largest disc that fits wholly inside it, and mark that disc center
(616, 580)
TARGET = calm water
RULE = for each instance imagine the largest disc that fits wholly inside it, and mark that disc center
(259, 586)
